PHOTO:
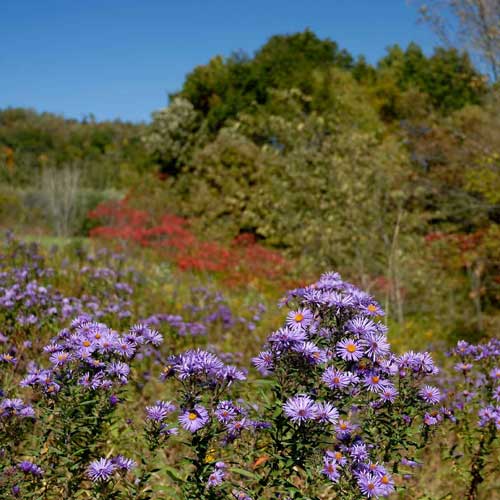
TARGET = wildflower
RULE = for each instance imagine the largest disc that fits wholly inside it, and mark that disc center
(287, 337)
(326, 413)
(336, 379)
(374, 383)
(370, 485)
(225, 412)
(430, 394)
(299, 320)
(124, 463)
(350, 350)
(388, 394)
(358, 452)
(194, 419)
(101, 470)
(310, 352)
(30, 468)
(264, 362)
(330, 469)
(361, 326)
(300, 408)
(376, 345)
(159, 411)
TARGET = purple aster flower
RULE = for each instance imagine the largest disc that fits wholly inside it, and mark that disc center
(344, 429)
(463, 367)
(126, 464)
(386, 484)
(120, 370)
(60, 358)
(359, 452)
(374, 383)
(350, 350)
(231, 373)
(432, 418)
(30, 468)
(8, 358)
(430, 394)
(361, 326)
(336, 379)
(194, 419)
(125, 348)
(300, 408)
(264, 362)
(310, 352)
(216, 478)
(389, 394)
(370, 485)
(326, 413)
(376, 345)
(496, 393)
(287, 337)
(300, 319)
(235, 427)
(225, 412)
(101, 470)
(330, 469)
(153, 337)
(159, 411)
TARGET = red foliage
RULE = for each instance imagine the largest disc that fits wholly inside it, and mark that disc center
(243, 261)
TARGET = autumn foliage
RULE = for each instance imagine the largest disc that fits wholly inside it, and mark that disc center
(242, 261)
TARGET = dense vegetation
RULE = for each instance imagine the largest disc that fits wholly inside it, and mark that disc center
(157, 366)
(123, 378)
(388, 173)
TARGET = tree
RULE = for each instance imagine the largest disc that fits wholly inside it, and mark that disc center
(470, 24)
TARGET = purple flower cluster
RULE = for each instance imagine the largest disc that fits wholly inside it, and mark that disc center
(201, 369)
(373, 479)
(334, 358)
(103, 469)
(94, 355)
(15, 408)
(218, 476)
(30, 468)
(301, 409)
(475, 390)
(207, 310)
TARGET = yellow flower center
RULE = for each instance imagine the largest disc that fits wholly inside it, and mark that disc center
(372, 308)
(351, 348)
(62, 357)
(299, 317)
(192, 416)
(86, 343)
(338, 455)
(97, 336)
(336, 380)
(375, 379)
(343, 426)
(384, 480)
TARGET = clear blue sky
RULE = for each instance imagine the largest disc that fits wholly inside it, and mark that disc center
(120, 58)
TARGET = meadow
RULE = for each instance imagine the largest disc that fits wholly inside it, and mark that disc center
(286, 285)
(124, 376)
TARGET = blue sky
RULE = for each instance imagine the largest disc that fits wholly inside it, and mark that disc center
(120, 58)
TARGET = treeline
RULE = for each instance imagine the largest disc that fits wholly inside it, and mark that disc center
(388, 173)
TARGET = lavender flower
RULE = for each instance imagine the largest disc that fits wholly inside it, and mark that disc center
(194, 419)
(300, 408)
(101, 470)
